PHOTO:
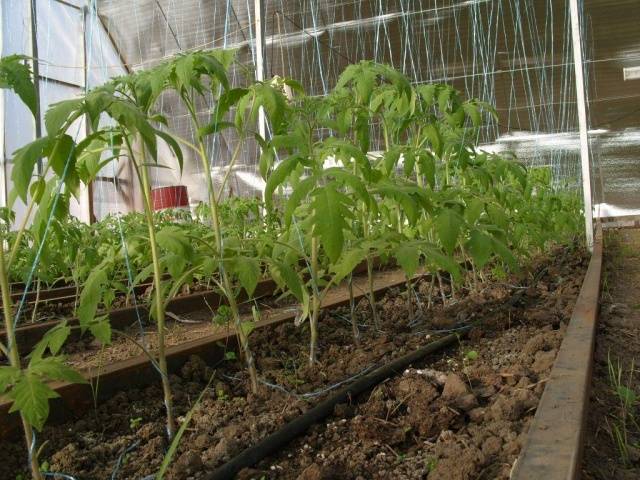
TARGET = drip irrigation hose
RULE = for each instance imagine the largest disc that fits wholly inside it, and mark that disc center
(277, 440)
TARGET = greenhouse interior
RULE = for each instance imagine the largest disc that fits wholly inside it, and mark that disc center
(322, 239)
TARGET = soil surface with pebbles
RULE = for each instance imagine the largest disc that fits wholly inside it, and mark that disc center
(460, 414)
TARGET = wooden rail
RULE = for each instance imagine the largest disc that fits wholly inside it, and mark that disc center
(553, 446)
(137, 372)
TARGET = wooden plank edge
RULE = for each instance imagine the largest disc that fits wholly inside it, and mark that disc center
(554, 444)
(137, 372)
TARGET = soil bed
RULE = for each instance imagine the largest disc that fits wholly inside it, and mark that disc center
(88, 352)
(461, 415)
(618, 346)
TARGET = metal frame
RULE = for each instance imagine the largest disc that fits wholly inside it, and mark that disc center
(582, 121)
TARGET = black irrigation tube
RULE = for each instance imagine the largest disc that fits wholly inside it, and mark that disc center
(274, 442)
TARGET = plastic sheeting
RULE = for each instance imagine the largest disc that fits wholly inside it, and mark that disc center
(515, 54)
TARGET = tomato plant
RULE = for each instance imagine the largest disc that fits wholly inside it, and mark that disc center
(26, 384)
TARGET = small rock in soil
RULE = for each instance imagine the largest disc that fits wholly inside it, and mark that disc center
(543, 361)
(454, 387)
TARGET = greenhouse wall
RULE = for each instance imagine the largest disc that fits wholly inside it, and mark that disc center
(515, 54)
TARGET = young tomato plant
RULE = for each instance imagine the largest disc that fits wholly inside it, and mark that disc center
(324, 196)
(192, 76)
(27, 385)
(133, 136)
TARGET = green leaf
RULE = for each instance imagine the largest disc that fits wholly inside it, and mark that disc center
(100, 328)
(348, 262)
(173, 144)
(37, 189)
(348, 179)
(54, 368)
(627, 395)
(435, 138)
(8, 376)
(299, 193)
(444, 96)
(227, 100)
(455, 119)
(247, 327)
(471, 355)
(175, 264)
(473, 112)
(448, 224)
(184, 70)
(427, 167)
(96, 102)
(24, 160)
(285, 276)
(473, 210)
(59, 113)
(63, 162)
(408, 257)
(16, 75)
(428, 93)
(247, 269)
(173, 239)
(30, 397)
(294, 84)
(90, 297)
(435, 257)
(506, 254)
(53, 340)
(209, 266)
(480, 247)
(278, 177)
(331, 209)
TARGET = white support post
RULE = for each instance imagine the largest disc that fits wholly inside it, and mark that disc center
(258, 15)
(582, 120)
(85, 200)
(260, 65)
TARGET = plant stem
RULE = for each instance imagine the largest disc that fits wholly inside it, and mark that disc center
(441, 285)
(315, 306)
(14, 359)
(35, 304)
(352, 308)
(372, 296)
(408, 282)
(228, 288)
(21, 230)
(159, 303)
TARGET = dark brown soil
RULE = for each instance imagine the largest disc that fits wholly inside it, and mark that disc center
(618, 345)
(460, 415)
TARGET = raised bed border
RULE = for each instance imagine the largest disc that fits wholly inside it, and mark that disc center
(28, 335)
(137, 372)
(554, 443)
